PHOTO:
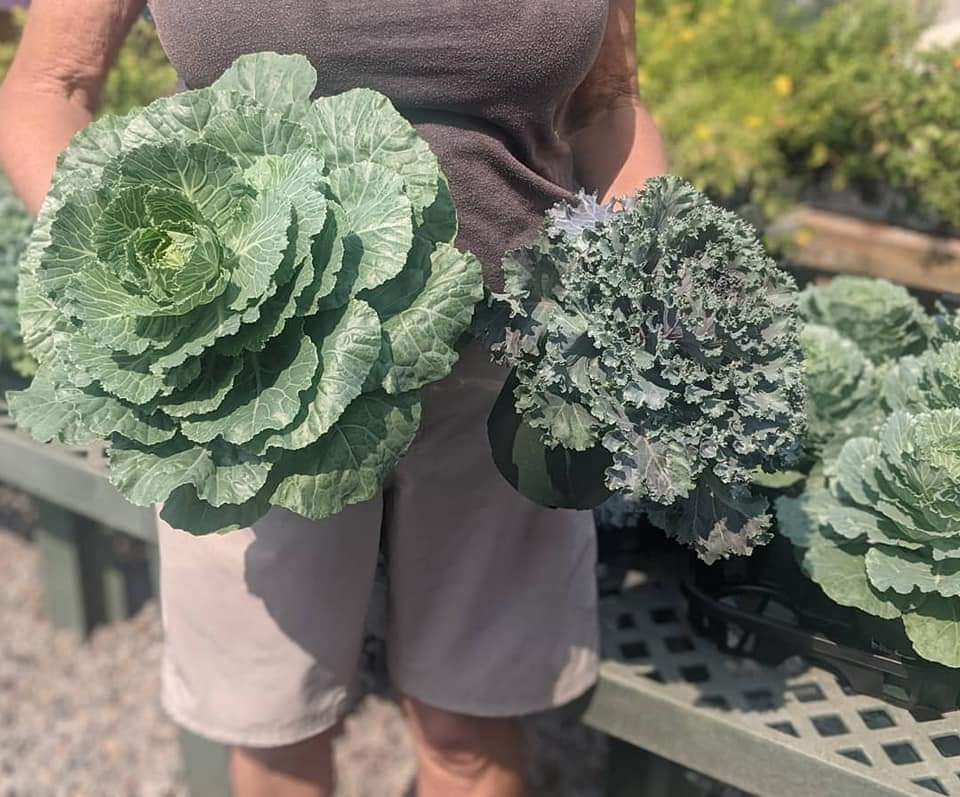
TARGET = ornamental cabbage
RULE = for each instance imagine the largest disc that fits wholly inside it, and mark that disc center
(15, 226)
(883, 319)
(883, 535)
(841, 387)
(930, 381)
(243, 291)
(655, 354)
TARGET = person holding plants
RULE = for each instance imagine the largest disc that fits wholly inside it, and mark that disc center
(492, 598)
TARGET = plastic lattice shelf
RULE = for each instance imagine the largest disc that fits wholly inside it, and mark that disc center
(792, 731)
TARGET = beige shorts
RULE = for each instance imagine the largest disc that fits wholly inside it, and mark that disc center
(491, 606)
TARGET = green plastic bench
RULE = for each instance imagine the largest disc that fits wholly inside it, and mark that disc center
(793, 731)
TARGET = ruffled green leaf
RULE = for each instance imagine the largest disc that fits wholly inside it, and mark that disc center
(250, 132)
(296, 176)
(206, 393)
(841, 572)
(76, 417)
(265, 395)
(377, 229)
(126, 376)
(415, 348)
(718, 522)
(184, 510)
(362, 125)
(279, 82)
(348, 464)
(905, 571)
(222, 474)
(258, 237)
(934, 630)
(348, 342)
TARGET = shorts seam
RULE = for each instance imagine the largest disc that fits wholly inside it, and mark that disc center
(510, 708)
(305, 726)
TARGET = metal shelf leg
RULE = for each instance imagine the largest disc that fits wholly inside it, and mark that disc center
(206, 766)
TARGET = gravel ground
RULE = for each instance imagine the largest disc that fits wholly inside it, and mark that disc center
(83, 719)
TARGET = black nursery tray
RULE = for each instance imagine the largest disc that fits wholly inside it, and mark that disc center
(779, 615)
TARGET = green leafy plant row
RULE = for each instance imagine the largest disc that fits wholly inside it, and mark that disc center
(877, 522)
(15, 225)
(762, 103)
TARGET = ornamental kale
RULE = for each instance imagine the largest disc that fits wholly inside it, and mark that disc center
(884, 535)
(656, 354)
(243, 290)
(14, 230)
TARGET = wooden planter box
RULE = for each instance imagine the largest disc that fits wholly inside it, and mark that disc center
(836, 243)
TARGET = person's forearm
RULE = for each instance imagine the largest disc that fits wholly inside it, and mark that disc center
(35, 127)
(53, 85)
(618, 150)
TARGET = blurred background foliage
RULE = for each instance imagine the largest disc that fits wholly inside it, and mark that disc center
(765, 102)
(141, 74)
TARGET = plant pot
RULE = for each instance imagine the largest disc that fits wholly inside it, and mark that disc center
(836, 242)
(553, 477)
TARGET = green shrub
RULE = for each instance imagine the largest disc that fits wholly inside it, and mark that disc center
(916, 132)
(759, 103)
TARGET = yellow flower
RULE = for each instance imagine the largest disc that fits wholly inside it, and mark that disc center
(819, 155)
(803, 237)
(783, 85)
(703, 132)
(687, 35)
(753, 121)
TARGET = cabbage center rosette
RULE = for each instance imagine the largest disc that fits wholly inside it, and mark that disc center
(243, 290)
(656, 354)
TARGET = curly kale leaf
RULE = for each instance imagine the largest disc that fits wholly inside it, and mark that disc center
(660, 332)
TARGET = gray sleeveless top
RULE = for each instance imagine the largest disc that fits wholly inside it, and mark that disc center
(484, 81)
